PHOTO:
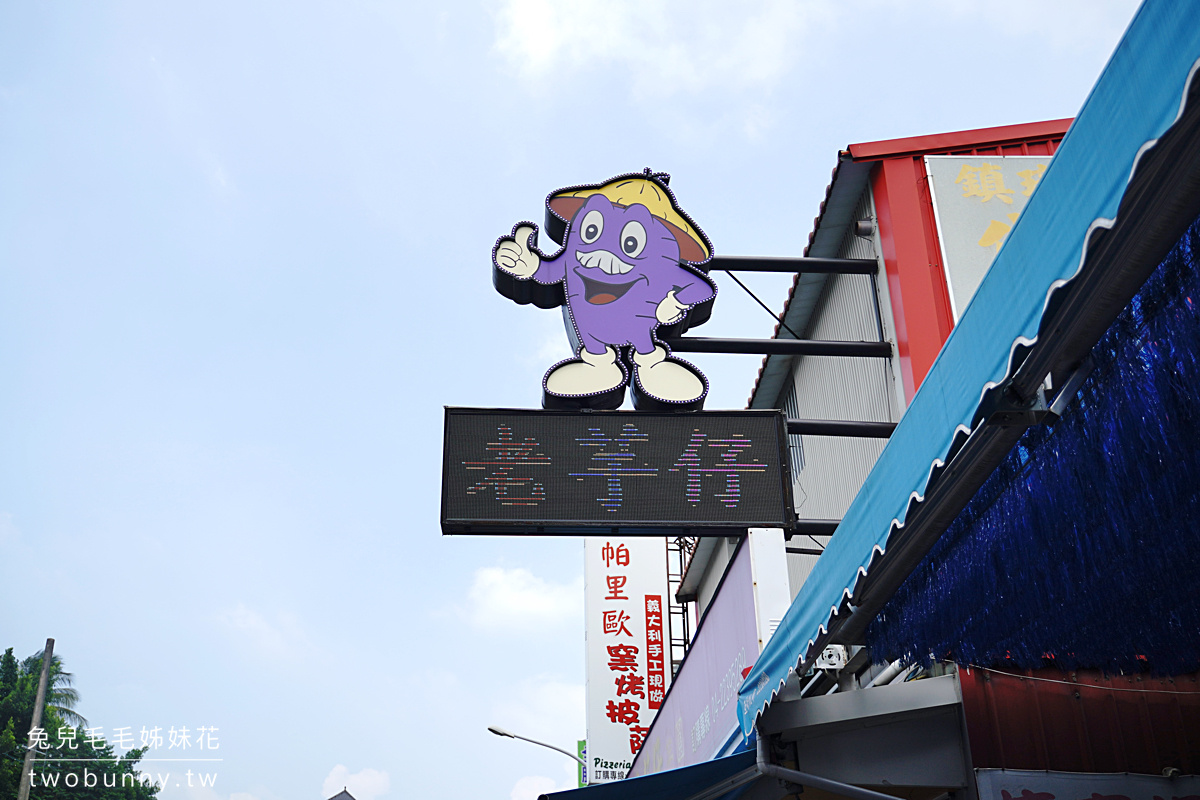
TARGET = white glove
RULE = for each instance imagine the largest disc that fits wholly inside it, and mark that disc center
(514, 256)
(669, 310)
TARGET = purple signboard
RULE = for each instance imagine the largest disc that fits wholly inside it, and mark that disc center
(699, 713)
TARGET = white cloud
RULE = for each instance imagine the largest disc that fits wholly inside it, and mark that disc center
(366, 784)
(551, 349)
(278, 637)
(511, 600)
(194, 792)
(545, 709)
(8, 531)
(531, 786)
(218, 176)
(551, 344)
(668, 48)
(698, 47)
(1062, 25)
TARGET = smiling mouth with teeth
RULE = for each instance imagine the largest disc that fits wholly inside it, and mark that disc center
(599, 293)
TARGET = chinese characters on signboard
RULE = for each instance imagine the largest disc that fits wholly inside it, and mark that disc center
(976, 202)
(628, 668)
(514, 472)
(656, 673)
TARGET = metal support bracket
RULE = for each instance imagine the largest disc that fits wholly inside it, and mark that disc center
(792, 776)
(1012, 414)
(833, 266)
(812, 527)
(832, 427)
(1067, 393)
(784, 347)
(1038, 411)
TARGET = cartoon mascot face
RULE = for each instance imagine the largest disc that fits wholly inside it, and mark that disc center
(628, 271)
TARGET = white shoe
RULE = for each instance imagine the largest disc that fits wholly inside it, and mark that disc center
(588, 381)
(661, 380)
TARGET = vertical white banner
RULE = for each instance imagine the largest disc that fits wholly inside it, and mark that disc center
(628, 648)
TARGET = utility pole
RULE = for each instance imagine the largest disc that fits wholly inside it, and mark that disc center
(38, 705)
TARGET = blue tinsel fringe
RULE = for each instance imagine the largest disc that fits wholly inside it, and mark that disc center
(1082, 549)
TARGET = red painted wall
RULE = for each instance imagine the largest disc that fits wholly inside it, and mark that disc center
(911, 253)
(1082, 721)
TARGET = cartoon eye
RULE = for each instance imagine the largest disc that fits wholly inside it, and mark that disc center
(633, 239)
(592, 226)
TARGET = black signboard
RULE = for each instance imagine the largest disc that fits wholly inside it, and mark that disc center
(580, 472)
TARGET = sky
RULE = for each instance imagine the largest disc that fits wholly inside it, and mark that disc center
(245, 263)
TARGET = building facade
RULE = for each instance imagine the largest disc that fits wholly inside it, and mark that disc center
(991, 578)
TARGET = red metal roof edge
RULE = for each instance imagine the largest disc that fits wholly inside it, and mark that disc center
(959, 140)
(914, 145)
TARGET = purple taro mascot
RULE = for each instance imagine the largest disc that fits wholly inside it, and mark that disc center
(628, 277)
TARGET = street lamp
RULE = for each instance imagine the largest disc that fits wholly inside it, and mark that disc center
(502, 732)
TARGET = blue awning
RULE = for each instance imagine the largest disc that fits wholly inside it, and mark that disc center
(1137, 98)
(676, 784)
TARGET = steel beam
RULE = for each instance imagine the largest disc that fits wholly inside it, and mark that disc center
(813, 527)
(832, 266)
(782, 347)
(830, 427)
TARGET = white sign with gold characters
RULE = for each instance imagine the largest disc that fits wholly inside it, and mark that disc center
(976, 202)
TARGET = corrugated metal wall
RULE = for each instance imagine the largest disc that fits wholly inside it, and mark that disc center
(828, 471)
(799, 565)
(1082, 721)
(834, 468)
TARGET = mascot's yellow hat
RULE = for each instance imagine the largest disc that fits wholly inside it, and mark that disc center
(649, 190)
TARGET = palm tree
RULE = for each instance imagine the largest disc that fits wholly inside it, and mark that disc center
(61, 696)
